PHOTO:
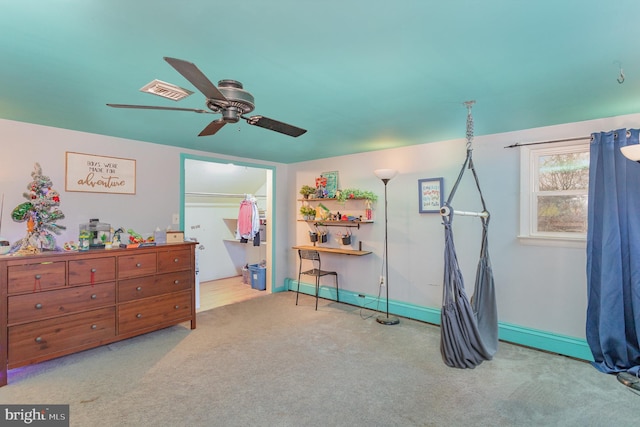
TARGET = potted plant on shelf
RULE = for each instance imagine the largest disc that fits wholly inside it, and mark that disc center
(354, 193)
(307, 212)
(307, 190)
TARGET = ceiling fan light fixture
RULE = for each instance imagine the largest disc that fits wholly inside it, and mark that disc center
(230, 115)
(166, 90)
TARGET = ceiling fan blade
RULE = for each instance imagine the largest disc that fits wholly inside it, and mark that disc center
(267, 123)
(197, 78)
(212, 127)
(151, 107)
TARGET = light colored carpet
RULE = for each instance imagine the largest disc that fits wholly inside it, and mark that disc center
(268, 362)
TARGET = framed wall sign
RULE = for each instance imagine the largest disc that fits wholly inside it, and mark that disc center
(430, 196)
(93, 173)
(332, 183)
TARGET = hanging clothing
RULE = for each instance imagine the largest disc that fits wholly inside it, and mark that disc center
(248, 221)
(245, 220)
(255, 219)
(613, 254)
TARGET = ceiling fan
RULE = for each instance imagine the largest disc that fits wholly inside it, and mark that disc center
(228, 99)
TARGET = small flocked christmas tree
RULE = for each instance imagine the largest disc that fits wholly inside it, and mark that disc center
(40, 213)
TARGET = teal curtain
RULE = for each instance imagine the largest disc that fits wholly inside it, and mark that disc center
(613, 254)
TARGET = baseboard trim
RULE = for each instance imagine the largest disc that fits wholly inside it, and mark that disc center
(540, 340)
(282, 288)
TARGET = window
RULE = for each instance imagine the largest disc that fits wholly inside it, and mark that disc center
(554, 193)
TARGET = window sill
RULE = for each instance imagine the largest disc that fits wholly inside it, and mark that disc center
(565, 242)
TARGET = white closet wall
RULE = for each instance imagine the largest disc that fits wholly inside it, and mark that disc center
(222, 255)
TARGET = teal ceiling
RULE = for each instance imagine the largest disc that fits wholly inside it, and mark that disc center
(358, 75)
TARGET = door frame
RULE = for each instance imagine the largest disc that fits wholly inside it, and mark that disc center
(271, 203)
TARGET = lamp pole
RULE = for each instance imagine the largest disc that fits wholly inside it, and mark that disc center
(385, 175)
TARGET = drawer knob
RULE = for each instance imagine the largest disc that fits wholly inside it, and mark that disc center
(176, 282)
(138, 265)
(176, 260)
(38, 306)
(38, 277)
(176, 307)
(139, 315)
(94, 326)
(38, 339)
(139, 288)
(93, 270)
(94, 296)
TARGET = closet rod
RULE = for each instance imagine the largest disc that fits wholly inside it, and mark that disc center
(517, 144)
(196, 193)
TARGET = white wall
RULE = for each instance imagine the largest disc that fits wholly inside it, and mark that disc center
(157, 190)
(223, 255)
(537, 287)
(157, 195)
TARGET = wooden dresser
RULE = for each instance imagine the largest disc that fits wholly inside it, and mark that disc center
(54, 304)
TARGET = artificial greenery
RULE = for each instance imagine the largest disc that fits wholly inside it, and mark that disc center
(307, 211)
(307, 190)
(41, 213)
(354, 193)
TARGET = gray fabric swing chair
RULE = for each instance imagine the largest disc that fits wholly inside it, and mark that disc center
(469, 329)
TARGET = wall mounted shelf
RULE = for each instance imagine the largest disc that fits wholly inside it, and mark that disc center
(328, 199)
(336, 223)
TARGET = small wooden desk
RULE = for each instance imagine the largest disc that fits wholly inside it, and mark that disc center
(333, 250)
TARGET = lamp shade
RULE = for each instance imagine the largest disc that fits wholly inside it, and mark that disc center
(385, 174)
(631, 152)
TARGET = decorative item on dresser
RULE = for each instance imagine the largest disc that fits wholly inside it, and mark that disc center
(57, 304)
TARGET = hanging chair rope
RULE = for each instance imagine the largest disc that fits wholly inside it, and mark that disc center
(468, 163)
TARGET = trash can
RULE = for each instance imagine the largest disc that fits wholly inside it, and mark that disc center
(258, 277)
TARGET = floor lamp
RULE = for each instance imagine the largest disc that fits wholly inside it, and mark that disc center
(385, 175)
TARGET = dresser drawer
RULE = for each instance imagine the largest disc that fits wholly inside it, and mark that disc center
(156, 311)
(35, 277)
(136, 265)
(149, 286)
(136, 288)
(174, 260)
(173, 282)
(38, 339)
(92, 270)
(40, 305)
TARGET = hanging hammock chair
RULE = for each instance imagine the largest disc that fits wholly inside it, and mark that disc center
(469, 329)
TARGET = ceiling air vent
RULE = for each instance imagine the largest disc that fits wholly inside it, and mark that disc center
(166, 90)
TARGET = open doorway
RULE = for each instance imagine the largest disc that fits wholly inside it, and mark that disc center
(212, 191)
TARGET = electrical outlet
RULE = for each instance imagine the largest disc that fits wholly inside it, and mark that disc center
(381, 280)
(176, 219)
